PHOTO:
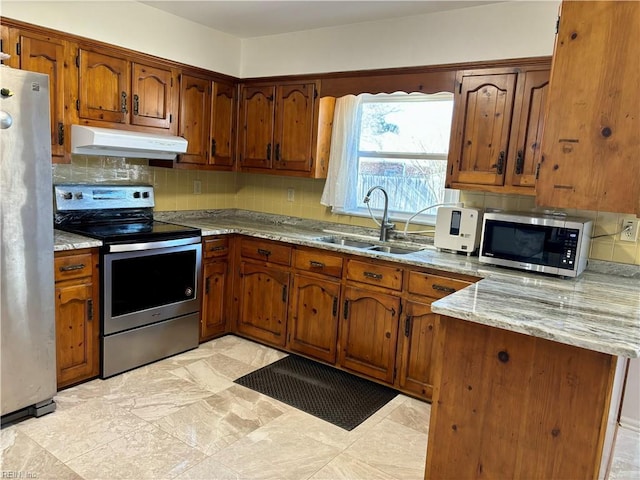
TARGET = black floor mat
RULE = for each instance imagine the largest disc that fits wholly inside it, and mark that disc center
(325, 392)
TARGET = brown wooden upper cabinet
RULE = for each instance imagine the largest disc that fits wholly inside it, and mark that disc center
(591, 141)
(285, 129)
(44, 54)
(207, 122)
(497, 129)
(115, 90)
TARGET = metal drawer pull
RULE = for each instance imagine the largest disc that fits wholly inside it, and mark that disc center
(264, 252)
(69, 268)
(216, 249)
(441, 288)
(316, 264)
(376, 276)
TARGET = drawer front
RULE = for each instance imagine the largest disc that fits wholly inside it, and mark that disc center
(215, 247)
(380, 275)
(72, 266)
(434, 286)
(318, 261)
(267, 252)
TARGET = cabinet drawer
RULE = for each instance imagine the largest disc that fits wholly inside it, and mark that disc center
(72, 266)
(215, 247)
(318, 262)
(434, 286)
(380, 275)
(267, 252)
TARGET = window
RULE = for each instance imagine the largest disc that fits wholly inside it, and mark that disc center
(401, 143)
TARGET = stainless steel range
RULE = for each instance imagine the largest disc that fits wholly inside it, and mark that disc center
(149, 272)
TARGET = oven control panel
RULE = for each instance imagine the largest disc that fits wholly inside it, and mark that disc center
(101, 196)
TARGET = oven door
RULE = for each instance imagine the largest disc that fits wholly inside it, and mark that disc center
(145, 283)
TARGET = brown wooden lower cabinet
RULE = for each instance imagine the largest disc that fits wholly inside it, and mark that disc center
(313, 322)
(263, 295)
(369, 332)
(216, 287)
(77, 316)
(415, 348)
(508, 405)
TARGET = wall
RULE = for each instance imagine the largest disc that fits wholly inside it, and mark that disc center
(136, 26)
(267, 193)
(497, 31)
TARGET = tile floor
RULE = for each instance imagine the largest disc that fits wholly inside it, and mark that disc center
(184, 418)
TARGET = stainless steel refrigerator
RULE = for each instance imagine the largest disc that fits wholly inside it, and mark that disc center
(27, 311)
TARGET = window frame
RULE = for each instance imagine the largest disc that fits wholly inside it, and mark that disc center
(450, 196)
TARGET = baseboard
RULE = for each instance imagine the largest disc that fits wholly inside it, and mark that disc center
(630, 423)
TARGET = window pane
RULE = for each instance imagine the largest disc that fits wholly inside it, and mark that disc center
(411, 184)
(413, 126)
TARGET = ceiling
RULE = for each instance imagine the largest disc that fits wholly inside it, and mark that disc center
(247, 19)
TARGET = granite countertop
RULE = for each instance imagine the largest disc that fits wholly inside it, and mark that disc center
(600, 310)
(70, 241)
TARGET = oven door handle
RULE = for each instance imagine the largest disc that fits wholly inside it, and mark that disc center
(132, 247)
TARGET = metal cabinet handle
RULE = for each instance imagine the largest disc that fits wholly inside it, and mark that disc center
(499, 166)
(277, 152)
(216, 249)
(345, 310)
(69, 268)
(264, 252)
(213, 147)
(442, 288)
(375, 276)
(123, 102)
(315, 264)
(136, 104)
(335, 306)
(268, 151)
(519, 162)
(284, 293)
(207, 285)
(89, 310)
(407, 326)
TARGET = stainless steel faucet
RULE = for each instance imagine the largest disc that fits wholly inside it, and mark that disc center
(385, 225)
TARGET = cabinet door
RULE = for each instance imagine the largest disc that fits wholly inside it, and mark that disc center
(482, 119)
(195, 102)
(47, 55)
(5, 33)
(415, 368)
(526, 139)
(314, 317)
(152, 92)
(223, 114)
(76, 333)
(294, 127)
(591, 142)
(213, 302)
(103, 87)
(256, 134)
(369, 332)
(263, 302)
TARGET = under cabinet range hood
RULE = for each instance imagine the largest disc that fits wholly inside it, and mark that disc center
(124, 143)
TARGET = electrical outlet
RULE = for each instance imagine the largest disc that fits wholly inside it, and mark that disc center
(629, 231)
(291, 193)
(197, 187)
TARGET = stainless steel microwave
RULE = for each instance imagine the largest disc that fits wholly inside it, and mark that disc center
(536, 242)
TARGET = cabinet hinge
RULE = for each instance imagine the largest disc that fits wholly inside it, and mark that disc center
(315, 94)
(18, 48)
(78, 104)
(78, 61)
(537, 171)
(557, 24)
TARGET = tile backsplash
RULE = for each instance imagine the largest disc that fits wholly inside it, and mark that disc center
(174, 190)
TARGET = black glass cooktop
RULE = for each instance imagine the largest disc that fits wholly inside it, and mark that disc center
(132, 232)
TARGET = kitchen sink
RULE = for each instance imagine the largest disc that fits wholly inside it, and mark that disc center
(395, 250)
(373, 247)
(347, 242)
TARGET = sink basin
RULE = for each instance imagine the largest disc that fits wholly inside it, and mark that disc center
(373, 247)
(395, 250)
(347, 242)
